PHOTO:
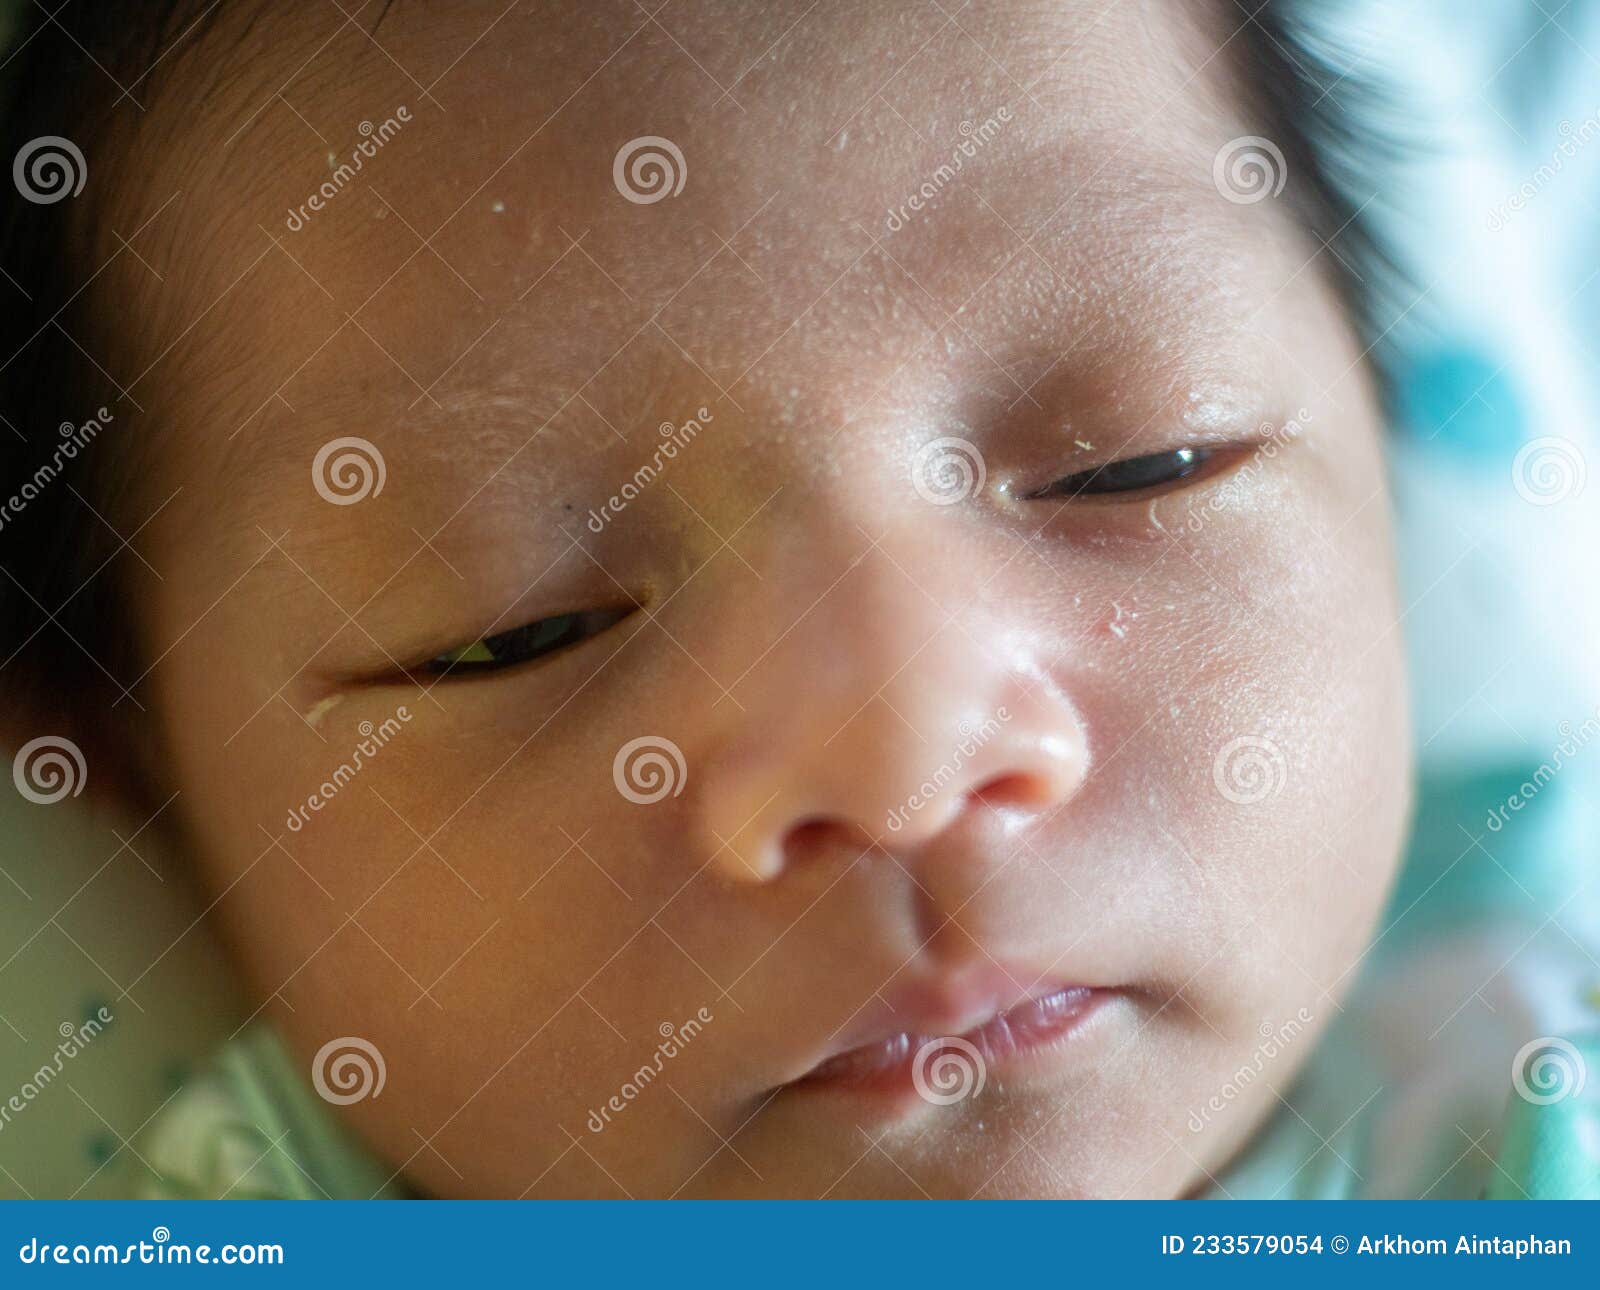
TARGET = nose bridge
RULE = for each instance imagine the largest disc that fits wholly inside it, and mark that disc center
(877, 677)
(821, 658)
(875, 710)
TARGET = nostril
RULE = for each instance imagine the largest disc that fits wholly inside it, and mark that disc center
(810, 836)
(1016, 792)
(807, 834)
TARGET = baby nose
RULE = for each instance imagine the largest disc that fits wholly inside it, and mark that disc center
(952, 732)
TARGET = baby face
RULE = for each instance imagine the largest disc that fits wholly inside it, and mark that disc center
(651, 645)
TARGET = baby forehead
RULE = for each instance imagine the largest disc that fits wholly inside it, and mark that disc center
(704, 113)
(483, 214)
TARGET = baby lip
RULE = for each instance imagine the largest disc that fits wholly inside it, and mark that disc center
(943, 1004)
(994, 1032)
(1015, 1030)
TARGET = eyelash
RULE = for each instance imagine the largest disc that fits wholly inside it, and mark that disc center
(1111, 478)
(548, 636)
(536, 640)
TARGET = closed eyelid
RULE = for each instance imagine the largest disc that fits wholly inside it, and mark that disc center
(1141, 474)
(527, 643)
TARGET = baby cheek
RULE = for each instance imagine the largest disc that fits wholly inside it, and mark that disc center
(1253, 681)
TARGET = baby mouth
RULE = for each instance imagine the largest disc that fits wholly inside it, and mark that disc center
(928, 1061)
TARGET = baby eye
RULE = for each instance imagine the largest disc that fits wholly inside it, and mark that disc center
(1129, 475)
(526, 643)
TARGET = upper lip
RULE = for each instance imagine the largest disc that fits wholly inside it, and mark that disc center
(940, 1005)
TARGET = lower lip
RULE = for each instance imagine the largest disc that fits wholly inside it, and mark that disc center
(938, 1066)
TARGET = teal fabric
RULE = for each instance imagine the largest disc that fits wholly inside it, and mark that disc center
(1551, 1144)
(252, 1127)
